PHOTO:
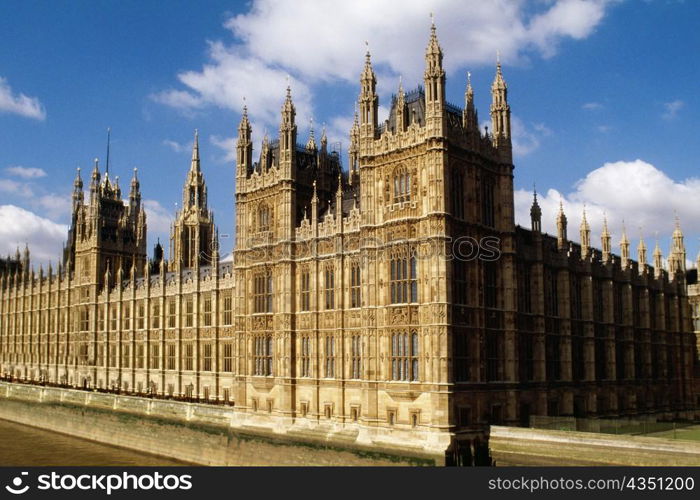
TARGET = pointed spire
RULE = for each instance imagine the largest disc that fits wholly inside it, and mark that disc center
(311, 143)
(562, 241)
(500, 112)
(324, 138)
(244, 148)
(677, 256)
(77, 189)
(433, 50)
(535, 213)
(368, 100)
(470, 121)
(585, 232)
(624, 248)
(605, 240)
(641, 253)
(195, 165)
(658, 260)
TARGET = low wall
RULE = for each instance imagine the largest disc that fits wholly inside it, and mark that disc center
(197, 433)
(522, 446)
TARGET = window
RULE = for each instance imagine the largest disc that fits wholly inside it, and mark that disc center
(404, 356)
(305, 356)
(355, 285)
(458, 194)
(84, 319)
(402, 186)
(207, 311)
(155, 356)
(126, 357)
(305, 291)
(140, 315)
(156, 315)
(112, 354)
(262, 293)
(263, 218)
(329, 288)
(207, 358)
(459, 282)
(189, 311)
(330, 356)
(356, 356)
(100, 355)
(228, 357)
(227, 318)
(487, 202)
(403, 282)
(462, 358)
(263, 355)
(490, 285)
(171, 356)
(127, 317)
(100, 318)
(172, 307)
(140, 355)
(189, 356)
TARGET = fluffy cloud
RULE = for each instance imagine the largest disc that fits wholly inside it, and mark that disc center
(177, 146)
(16, 188)
(592, 106)
(527, 137)
(19, 226)
(158, 218)
(671, 109)
(26, 172)
(19, 104)
(634, 191)
(227, 145)
(315, 43)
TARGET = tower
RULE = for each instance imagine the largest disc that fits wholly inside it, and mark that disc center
(536, 214)
(605, 241)
(677, 256)
(562, 241)
(434, 80)
(500, 115)
(585, 231)
(192, 235)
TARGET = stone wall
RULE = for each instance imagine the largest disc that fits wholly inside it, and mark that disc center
(197, 433)
(522, 446)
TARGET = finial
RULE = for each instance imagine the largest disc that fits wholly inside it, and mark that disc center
(469, 78)
(432, 21)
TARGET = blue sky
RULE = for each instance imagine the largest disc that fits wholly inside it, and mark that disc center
(603, 95)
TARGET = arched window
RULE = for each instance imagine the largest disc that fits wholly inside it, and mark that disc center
(403, 282)
(404, 356)
(262, 292)
(263, 355)
(402, 185)
(263, 218)
(355, 285)
(329, 288)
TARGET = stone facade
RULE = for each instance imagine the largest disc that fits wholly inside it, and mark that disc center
(397, 299)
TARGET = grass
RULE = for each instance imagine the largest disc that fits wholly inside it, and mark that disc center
(691, 433)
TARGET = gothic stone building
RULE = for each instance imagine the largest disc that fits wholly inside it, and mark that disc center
(351, 307)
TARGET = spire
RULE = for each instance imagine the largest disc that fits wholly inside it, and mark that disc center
(135, 192)
(109, 133)
(195, 166)
(535, 213)
(244, 148)
(369, 102)
(433, 53)
(324, 138)
(434, 81)
(311, 143)
(288, 109)
(288, 137)
(562, 241)
(500, 112)
(354, 150)
(676, 259)
(400, 108)
(658, 260)
(77, 190)
(605, 240)
(641, 254)
(585, 232)
(470, 121)
(624, 248)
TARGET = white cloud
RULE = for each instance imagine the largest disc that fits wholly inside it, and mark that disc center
(16, 188)
(271, 42)
(54, 205)
(19, 104)
(44, 236)
(226, 144)
(634, 191)
(526, 138)
(592, 106)
(158, 218)
(671, 109)
(177, 146)
(26, 172)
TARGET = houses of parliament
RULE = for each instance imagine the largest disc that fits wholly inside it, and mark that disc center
(351, 304)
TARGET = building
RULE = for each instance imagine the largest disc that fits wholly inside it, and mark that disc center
(352, 306)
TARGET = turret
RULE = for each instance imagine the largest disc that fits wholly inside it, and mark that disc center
(624, 249)
(244, 148)
(288, 136)
(470, 120)
(677, 256)
(562, 241)
(369, 102)
(434, 79)
(658, 261)
(585, 233)
(536, 214)
(605, 241)
(77, 190)
(500, 115)
(135, 193)
(641, 255)
(311, 143)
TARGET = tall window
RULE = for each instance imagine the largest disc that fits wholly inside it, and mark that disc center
(462, 357)
(189, 311)
(458, 194)
(263, 355)
(172, 349)
(355, 285)
(100, 318)
(155, 320)
(402, 186)
(460, 282)
(404, 356)
(207, 311)
(140, 350)
(329, 287)
(228, 357)
(172, 315)
(305, 356)
(487, 202)
(305, 291)
(140, 315)
(330, 356)
(262, 293)
(356, 356)
(207, 357)
(127, 317)
(112, 355)
(264, 218)
(126, 356)
(404, 287)
(490, 285)
(227, 318)
(84, 319)
(155, 356)
(189, 356)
